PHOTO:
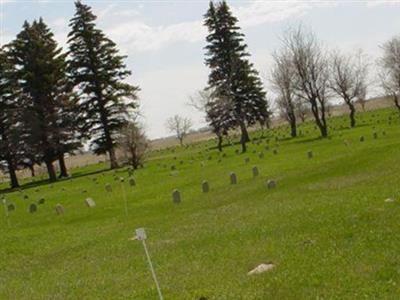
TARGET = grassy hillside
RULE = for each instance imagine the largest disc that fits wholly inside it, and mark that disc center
(326, 226)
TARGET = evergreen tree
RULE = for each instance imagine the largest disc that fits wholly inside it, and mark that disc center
(41, 76)
(98, 72)
(232, 75)
(9, 125)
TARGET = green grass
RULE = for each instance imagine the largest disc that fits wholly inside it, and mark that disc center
(325, 226)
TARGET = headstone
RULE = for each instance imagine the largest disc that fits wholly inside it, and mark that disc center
(310, 154)
(271, 184)
(130, 172)
(275, 151)
(90, 202)
(205, 187)
(176, 197)
(41, 201)
(108, 188)
(261, 269)
(83, 191)
(233, 178)
(375, 135)
(173, 168)
(10, 207)
(255, 171)
(362, 139)
(132, 181)
(59, 209)
(261, 155)
(247, 160)
(32, 208)
(26, 197)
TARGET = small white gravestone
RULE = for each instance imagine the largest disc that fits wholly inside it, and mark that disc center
(205, 187)
(233, 178)
(176, 197)
(389, 200)
(261, 269)
(59, 209)
(255, 171)
(141, 234)
(271, 184)
(90, 202)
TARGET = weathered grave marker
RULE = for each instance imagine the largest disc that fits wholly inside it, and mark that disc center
(59, 209)
(90, 202)
(362, 138)
(108, 188)
(176, 197)
(310, 154)
(41, 201)
(32, 208)
(271, 184)
(255, 171)
(261, 155)
(205, 187)
(10, 207)
(132, 181)
(233, 178)
(247, 160)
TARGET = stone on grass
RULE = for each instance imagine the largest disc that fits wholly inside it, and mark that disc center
(271, 184)
(310, 154)
(205, 187)
(176, 197)
(261, 155)
(233, 178)
(132, 181)
(375, 135)
(90, 202)
(173, 168)
(247, 160)
(108, 188)
(10, 207)
(59, 209)
(255, 171)
(362, 139)
(41, 201)
(275, 151)
(389, 200)
(261, 268)
(32, 208)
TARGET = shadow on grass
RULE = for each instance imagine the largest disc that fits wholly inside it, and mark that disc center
(39, 183)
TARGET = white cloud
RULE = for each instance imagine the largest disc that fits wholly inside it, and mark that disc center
(139, 36)
(376, 3)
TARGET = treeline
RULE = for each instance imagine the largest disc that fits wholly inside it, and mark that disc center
(53, 101)
(304, 77)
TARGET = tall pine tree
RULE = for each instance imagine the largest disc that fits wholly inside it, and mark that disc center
(232, 75)
(41, 67)
(9, 120)
(98, 72)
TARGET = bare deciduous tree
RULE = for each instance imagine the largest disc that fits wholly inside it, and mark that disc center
(312, 73)
(390, 69)
(302, 109)
(282, 82)
(134, 143)
(180, 126)
(348, 79)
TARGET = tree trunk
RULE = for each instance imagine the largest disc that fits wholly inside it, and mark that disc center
(13, 176)
(32, 169)
(63, 167)
(352, 114)
(50, 170)
(396, 101)
(293, 125)
(219, 143)
(320, 121)
(113, 159)
(244, 138)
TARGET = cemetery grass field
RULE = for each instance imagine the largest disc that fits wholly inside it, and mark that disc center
(326, 226)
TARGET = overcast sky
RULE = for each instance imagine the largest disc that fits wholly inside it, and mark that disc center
(164, 40)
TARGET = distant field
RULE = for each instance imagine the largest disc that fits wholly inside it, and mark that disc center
(326, 226)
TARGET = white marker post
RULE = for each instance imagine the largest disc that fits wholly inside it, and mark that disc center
(141, 236)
